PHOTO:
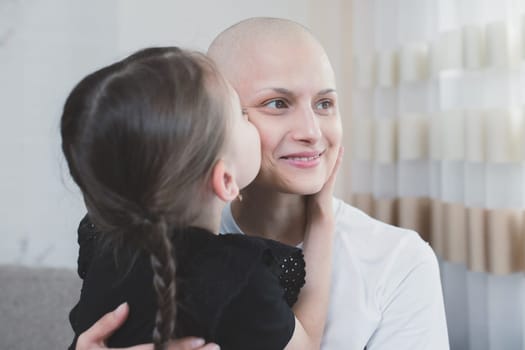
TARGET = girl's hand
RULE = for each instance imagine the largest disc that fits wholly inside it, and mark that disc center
(312, 306)
(319, 205)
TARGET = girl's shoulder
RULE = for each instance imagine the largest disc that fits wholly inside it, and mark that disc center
(231, 260)
(286, 262)
(238, 277)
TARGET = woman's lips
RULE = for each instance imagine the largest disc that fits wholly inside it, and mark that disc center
(303, 160)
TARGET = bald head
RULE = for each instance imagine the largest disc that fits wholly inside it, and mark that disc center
(237, 47)
(255, 29)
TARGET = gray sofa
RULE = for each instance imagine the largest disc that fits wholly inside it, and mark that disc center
(34, 307)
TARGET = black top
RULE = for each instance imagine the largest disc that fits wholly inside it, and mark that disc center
(233, 290)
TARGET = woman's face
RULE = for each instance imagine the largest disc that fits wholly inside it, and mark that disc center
(245, 146)
(289, 92)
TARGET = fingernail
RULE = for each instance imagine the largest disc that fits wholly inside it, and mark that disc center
(121, 309)
(197, 342)
(216, 347)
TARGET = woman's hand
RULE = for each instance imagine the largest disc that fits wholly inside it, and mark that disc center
(94, 338)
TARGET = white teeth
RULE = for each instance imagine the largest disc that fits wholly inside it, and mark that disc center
(304, 159)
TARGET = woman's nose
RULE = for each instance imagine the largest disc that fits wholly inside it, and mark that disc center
(306, 126)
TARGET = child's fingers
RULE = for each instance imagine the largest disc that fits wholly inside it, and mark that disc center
(333, 176)
(337, 164)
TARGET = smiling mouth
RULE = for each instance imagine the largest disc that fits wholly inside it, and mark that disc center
(303, 158)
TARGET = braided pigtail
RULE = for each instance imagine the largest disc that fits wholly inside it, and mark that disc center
(163, 266)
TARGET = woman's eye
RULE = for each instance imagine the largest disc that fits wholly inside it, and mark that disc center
(277, 104)
(325, 104)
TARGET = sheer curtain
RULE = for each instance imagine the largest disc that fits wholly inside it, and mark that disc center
(438, 145)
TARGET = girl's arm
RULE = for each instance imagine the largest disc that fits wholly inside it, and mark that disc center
(312, 306)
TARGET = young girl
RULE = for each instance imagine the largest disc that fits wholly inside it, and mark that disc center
(158, 144)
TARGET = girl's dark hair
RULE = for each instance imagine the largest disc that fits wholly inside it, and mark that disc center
(140, 138)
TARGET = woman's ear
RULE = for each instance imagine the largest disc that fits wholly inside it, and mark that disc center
(223, 182)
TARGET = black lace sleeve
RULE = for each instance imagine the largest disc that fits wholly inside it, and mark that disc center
(290, 268)
(292, 274)
(87, 236)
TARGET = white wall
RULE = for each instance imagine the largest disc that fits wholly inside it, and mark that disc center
(45, 48)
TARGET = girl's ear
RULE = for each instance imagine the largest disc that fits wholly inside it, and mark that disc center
(223, 182)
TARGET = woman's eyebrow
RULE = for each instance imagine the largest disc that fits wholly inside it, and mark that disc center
(290, 93)
(282, 91)
(326, 91)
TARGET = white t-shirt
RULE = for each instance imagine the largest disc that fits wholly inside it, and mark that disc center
(386, 288)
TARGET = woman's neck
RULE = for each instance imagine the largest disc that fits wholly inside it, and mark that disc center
(271, 214)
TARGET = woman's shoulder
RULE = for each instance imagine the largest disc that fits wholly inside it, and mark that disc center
(368, 235)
